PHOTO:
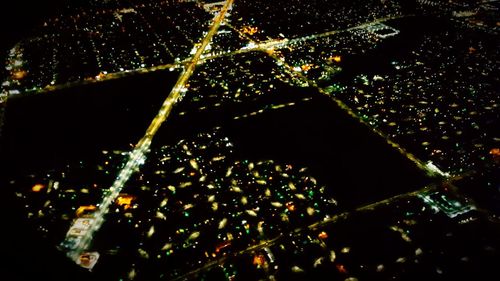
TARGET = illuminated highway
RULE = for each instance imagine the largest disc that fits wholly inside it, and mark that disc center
(267, 46)
(281, 43)
(254, 46)
(137, 156)
(104, 77)
(423, 166)
(226, 201)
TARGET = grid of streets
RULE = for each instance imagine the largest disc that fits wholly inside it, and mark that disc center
(403, 97)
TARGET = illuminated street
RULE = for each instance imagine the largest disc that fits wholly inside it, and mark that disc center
(137, 155)
(251, 140)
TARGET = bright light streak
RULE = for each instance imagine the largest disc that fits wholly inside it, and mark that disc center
(138, 153)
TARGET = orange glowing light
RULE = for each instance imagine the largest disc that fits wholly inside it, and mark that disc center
(250, 30)
(259, 260)
(290, 206)
(101, 75)
(306, 67)
(337, 58)
(341, 268)
(18, 75)
(222, 246)
(125, 201)
(323, 235)
(270, 51)
(85, 260)
(82, 209)
(37, 187)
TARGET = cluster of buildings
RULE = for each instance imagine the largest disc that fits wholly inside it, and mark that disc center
(191, 204)
(232, 80)
(439, 101)
(291, 19)
(196, 210)
(91, 43)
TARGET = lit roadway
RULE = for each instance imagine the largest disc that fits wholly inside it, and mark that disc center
(105, 77)
(270, 45)
(281, 43)
(137, 156)
(302, 78)
(257, 46)
(270, 242)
